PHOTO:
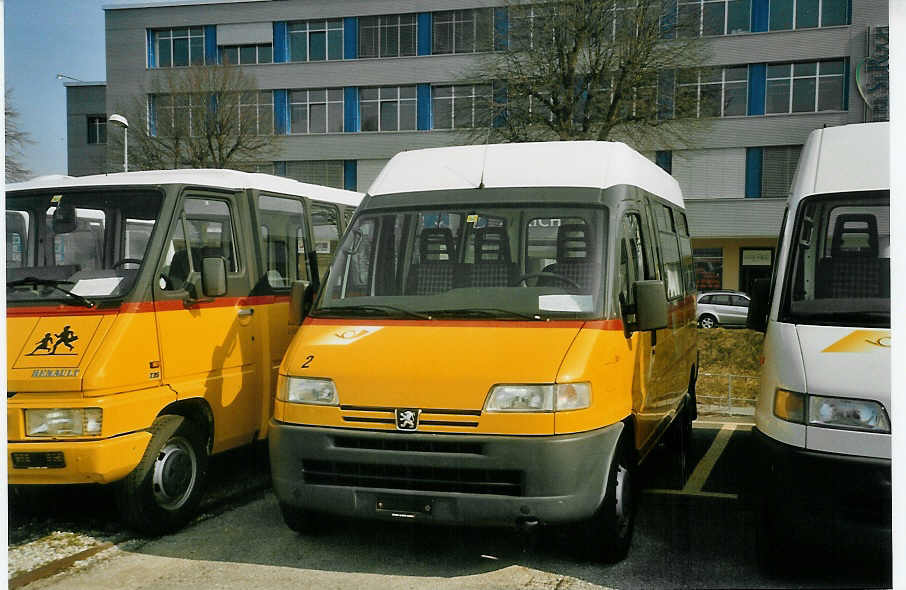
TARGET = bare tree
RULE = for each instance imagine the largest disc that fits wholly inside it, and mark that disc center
(16, 140)
(199, 117)
(591, 69)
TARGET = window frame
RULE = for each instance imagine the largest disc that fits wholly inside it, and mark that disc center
(457, 22)
(380, 30)
(99, 124)
(472, 97)
(330, 25)
(156, 37)
(724, 83)
(817, 76)
(327, 102)
(221, 49)
(794, 8)
(379, 102)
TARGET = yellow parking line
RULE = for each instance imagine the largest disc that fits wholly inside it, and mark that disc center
(697, 480)
(669, 492)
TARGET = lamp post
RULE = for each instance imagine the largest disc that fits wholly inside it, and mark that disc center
(61, 76)
(122, 122)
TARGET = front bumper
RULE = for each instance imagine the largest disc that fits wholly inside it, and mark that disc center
(93, 461)
(480, 480)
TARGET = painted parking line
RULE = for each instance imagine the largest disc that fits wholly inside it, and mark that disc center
(697, 480)
(669, 492)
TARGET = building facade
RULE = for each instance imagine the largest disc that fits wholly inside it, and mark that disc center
(346, 85)
(86, 127)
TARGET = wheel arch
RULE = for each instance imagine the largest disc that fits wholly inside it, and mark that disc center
(198, 411)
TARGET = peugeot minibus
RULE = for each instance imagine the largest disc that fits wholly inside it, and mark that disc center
(505, 333)
(147, 315)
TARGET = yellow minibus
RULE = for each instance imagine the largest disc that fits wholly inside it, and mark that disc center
(147, 314)
(504, 334)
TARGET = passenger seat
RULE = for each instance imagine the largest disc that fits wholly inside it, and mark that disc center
(493, 265)
(436, 269)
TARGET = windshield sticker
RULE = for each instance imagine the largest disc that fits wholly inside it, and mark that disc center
(861, 341)
(55, 199)
(104, 286)
(472, 219)
(577, 303)
(66, 337)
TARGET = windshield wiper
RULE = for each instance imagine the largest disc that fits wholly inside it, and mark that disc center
(53, 284)
(369, 309)
(485, 312)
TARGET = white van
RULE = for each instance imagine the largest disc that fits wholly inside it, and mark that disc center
(822, 423)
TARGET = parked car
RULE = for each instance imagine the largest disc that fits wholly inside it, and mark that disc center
(722, 308)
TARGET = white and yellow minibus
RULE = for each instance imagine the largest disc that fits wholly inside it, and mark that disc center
(147, 313)
(822, 423)
(504, 335)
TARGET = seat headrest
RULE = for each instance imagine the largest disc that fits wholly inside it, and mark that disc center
(436, 243)
(575, 243)
(492, 244)
(855, 234)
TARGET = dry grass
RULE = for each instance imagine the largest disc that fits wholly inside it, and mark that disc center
(729, 352)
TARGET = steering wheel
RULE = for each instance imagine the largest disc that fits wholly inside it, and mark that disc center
(552, 275)
(122, 261)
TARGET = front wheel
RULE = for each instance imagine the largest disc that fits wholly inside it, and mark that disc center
(707, 322)
(164, 490)
(299, 520)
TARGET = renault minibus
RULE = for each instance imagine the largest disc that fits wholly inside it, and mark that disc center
(822, 422)
(505, 333)
(147, 315)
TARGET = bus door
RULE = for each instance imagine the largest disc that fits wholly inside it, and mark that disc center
(208, 345)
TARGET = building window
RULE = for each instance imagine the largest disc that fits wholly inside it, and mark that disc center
(387, 36)
(316, 111)
(701, 18)
(234, 55)
(180, 115)
(463, 31)
(322, 172)
(807, 14)
(709, 268)
(315, 40)
(712, 92)
(256, 112)
(777, 168)
(522, 26)
(461, 106)
(178, 47)
(804, 87)
(388, 109)
(97, 129)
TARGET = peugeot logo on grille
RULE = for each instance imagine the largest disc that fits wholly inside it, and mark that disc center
(407, 419)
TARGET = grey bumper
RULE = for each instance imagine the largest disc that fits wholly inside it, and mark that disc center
(487, 480)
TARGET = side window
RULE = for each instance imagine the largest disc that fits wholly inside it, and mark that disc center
(670, 254)
(685, 245)
(740, 301)
(83, 246)
(282, 240)
(325, 222)
(633, 264)
(721, 300)
(706, 299)
(17, 223)
(209, 226)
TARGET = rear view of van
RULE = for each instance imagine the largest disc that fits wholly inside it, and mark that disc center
(822, 419)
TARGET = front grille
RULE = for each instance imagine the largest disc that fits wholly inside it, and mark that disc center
(428, 417)
(52, 460)
(406, 477)
(407, 445)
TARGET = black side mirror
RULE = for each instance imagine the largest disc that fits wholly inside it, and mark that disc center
(300, 300)
(650, 305)
(213, 277)
(64, 219)
(759, 306)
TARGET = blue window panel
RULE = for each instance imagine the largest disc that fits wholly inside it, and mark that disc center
(664, 159)
(754, 157)
(760, 11)
(152, 58)
(757, 84)
(280, 168)
(350, 174)
(423, 104)
(281, 112)
(666, 88)
(152, 116)
(351, 110)
(210, 44)
(350, 37)
(501, 28)
(424, 33)
(280, 46)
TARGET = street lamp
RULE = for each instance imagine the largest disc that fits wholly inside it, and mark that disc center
(122, 122)
(61, 76)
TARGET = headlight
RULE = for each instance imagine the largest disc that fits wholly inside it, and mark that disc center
(306, 390)
(63, 422)
(855, 414)
(538, 398)
(789, 406)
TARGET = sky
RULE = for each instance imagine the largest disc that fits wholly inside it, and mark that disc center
(43, 38)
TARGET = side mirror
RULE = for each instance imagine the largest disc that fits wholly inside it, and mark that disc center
(759, 305)
(64, 219)
(213, 277)
(300, 300)
(650, 305)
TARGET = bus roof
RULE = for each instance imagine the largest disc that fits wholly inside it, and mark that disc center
(842, 159)
(216, 178)
(588, 164)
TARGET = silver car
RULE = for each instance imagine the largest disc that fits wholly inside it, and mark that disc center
(722, 308)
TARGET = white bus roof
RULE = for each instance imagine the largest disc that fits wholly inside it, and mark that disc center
(215, 178)
(842, 159)
(591, 164)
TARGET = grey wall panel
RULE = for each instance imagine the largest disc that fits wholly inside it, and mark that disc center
(362, 146)
(245, 33)
(735, 218)
(81, 157)
(717, 173)
(779, 46)
(367, 171)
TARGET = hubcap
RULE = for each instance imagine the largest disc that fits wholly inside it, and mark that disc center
(175, 471)
(707, 323)
(624, 500)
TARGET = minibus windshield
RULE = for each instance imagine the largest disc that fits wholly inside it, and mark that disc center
(840, 261)
(471, 262)
(78, 248)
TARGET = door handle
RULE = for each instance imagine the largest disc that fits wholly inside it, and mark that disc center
(246, 312)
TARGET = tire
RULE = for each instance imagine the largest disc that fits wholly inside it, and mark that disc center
(304, 522)
(162, 493)
(606, 537)
(707, 321)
